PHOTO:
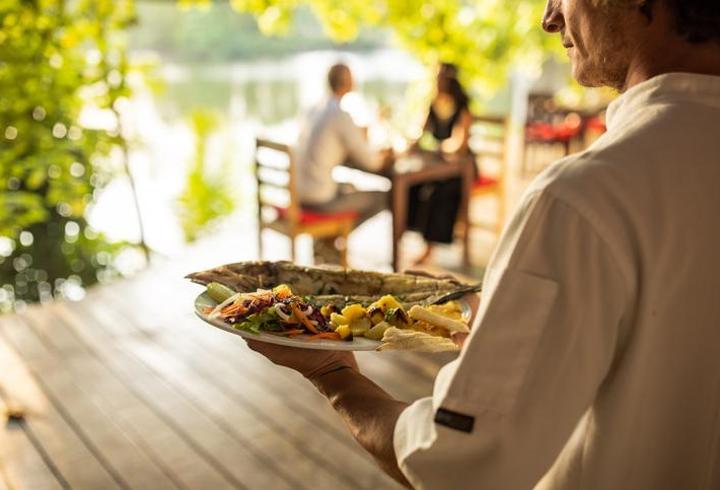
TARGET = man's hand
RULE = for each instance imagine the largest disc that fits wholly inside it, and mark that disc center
(309, 362)
(368, 411)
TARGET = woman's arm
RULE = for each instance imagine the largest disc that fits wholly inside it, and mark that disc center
(415, 145)
(458, 142)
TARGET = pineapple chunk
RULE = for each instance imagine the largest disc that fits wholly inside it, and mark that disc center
(328, 309)
(376, 314)
(337, 319)
(398, 318)
(377, 332)
(387, 302)
(359, 326)
(353, 312)
(344, 332)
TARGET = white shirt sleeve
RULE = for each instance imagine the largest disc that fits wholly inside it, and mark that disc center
(543, 341)
(358, 149)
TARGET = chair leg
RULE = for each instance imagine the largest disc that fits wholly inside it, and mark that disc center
(292, 248)
(343, 251)
(260, 243)
(501, 210)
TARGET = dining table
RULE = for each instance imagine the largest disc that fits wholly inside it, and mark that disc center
(416, 167)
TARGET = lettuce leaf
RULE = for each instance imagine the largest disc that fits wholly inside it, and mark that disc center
(264, 320)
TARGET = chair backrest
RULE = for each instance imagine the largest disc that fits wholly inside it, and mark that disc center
(275, 177)
(489, 139)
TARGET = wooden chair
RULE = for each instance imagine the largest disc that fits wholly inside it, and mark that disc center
(278, 205)
(488, 140)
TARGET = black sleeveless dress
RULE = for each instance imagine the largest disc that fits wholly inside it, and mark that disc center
(433, 206)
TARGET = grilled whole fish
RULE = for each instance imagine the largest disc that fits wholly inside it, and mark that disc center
(327, 284)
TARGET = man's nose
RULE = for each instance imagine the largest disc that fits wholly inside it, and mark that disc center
(553, 20)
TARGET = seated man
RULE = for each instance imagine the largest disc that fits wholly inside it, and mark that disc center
(329, 138)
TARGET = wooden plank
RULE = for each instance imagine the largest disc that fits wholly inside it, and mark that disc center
(299, 422)
(4, 479)
(217, 352)
(406, 380)
(157, 440)
(254, 387)
(21, 465)
(209, 438)
(74, 395)
(251, 419)
(160, 418)
(64, 449)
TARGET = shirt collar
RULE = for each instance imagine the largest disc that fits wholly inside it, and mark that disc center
(669, 87)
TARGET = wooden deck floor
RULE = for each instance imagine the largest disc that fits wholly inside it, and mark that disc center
(127, 389)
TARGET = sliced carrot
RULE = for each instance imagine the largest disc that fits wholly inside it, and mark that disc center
(326, 335)
(295, 331)
(232, 309)
(302, 318)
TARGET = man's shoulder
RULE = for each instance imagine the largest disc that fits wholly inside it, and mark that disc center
(604, 184)
(591, 173)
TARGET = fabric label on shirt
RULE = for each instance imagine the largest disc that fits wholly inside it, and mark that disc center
(454, 420)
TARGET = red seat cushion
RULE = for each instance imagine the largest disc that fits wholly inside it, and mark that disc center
(483, 182)
(538, 132)
(308, 217)
(596, 124)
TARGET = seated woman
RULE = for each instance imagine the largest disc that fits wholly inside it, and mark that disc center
(433, 207)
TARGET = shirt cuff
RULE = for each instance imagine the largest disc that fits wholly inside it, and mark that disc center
(414, 431)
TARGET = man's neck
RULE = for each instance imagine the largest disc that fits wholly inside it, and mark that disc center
(679, 57)
(662, 51)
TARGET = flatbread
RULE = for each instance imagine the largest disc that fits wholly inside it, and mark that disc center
(403, 339)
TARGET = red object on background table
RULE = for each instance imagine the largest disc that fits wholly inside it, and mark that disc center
(308, 217)
(484, 181)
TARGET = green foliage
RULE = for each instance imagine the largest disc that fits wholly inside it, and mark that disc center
(217, 33)
(483, 37)
(206, 197)
(56, 58)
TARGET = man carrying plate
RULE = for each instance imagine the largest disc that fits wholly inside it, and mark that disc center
(594, 359)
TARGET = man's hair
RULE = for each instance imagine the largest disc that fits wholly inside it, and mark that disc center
(336, 75)
(697, 21)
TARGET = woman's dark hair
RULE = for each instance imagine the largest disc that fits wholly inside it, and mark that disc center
(454, 87)
(458, 94)
(698, 21)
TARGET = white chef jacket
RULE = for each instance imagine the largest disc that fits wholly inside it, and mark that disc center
(594, 360)
(329, 137)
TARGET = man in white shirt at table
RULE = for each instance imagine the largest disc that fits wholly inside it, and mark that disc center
(594, 358)
(330, 138)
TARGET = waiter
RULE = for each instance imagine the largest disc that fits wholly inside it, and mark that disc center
(594, 361)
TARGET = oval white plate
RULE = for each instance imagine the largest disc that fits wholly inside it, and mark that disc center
(301, 341)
